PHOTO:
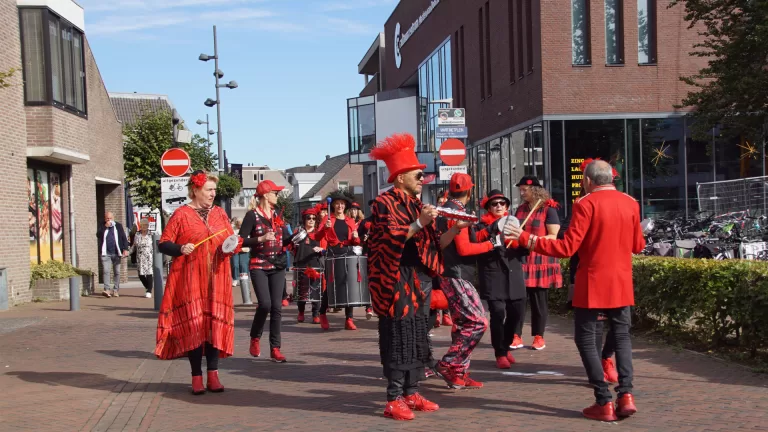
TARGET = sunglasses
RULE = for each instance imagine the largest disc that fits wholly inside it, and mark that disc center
(419, 175)
(311, 218)
(498, 204)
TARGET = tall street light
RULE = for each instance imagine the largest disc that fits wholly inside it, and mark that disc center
(218, 74)
(208, 131)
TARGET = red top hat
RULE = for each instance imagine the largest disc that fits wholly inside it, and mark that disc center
(397, 152)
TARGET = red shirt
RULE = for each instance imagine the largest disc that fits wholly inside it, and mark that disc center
(329, 234)
(605, 231)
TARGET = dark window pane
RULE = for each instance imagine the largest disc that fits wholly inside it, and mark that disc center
(556, 157)
(663, 172)
(57, 68)
(66, 60)
(580, 32)
(646, 31)
(79, 71)
(34, 55)
(354, 136)
(495, 162)
(633, 179)
(367, 125)
(613, 32)
(506, 174)
(586, 139)
(700, 166)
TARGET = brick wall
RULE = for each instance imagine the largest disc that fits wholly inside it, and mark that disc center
(350, 173)
(14, 247)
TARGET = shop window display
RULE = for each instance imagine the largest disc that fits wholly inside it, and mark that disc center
(584, 139)
(46, 227)
(663, 170)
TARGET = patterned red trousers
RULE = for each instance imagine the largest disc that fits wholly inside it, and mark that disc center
(469, 322)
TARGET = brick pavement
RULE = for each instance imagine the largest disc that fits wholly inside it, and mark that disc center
(93, 370)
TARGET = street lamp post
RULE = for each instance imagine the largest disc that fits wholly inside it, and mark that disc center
(218, 74)
(208, 131)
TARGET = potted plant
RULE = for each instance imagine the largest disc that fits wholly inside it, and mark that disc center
(50, 280)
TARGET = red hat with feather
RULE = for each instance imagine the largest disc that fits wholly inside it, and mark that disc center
(398, 153)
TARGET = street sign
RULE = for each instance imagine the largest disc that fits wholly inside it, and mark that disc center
(173, 192)
(451, 117)
(175, 162)
(451, 132)
(452, 152)
(447, 171)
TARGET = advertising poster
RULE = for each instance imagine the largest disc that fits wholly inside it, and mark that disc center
(32, 210)
(43, 216)
(57, 226)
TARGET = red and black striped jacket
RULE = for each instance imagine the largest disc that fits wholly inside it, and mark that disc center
(392, 215)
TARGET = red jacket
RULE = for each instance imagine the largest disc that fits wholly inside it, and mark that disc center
(605, 231)
(329, 234)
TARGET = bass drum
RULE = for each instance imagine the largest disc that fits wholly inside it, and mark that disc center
(346, 280)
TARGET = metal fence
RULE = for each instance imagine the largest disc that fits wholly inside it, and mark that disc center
(747, 194)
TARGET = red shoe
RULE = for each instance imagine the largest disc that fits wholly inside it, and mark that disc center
(255, 348)
(285, 302)
(511, 358)
(517, 342)
(609, 372)
(625, 406)
(454, 380)
(416, 402)
(350, 325)
(429, 373)
(197, 385)
(300, 318)
(398, 410)
(437, 321)
(502, 362)
(470, 383)
(324, 322)
(368, 313)
(538, 343)
(600, 413)
(447, 321)
(214, 385)
(276, 356)
(315, 320)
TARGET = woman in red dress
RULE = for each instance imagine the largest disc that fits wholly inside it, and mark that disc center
(197, 315)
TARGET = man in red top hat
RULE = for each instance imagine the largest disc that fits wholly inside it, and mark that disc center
(605, 231)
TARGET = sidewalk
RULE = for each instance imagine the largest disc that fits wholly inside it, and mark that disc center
(93, 370)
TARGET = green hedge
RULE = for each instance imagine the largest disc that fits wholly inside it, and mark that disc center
(719, 303)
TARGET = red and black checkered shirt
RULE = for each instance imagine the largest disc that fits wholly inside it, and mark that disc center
(541, 271)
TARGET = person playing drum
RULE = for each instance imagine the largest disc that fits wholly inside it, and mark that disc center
(340, 233)
(308, 253)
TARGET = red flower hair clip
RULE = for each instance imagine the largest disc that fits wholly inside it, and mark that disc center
(590, 160)
(199, 179)
(552, 203)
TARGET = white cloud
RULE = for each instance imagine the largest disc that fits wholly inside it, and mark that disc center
(149, 5)
(355, 4)
(349, 26)
(119, 24)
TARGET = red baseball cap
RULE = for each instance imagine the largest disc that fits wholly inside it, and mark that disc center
(266, 187)
(461, 182)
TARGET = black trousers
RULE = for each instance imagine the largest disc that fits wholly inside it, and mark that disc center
(402, 383)
(348, 311)
(269, 286)
(315, 307)
(146, 280)
(585, 329)
(505, 315)
(606, 349)
(537, 298)
(196, 359)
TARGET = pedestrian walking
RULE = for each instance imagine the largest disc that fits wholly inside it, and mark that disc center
(142, 247)
(113, 246)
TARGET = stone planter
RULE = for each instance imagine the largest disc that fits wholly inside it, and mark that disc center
(51, 289)
(87, 285)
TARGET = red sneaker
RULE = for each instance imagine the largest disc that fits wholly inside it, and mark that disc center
(368, 313)
(214, 385)
(429, 373)
(447, 321)
(315, 320)
(276, 356)
(437, 321)
(502, 362)
(511, 358)
(398, 410)
(538, 343)
(285, 302)
(470, 383)
(517, 342)
(350, 324)
(416, 402)
(604, 413)
(300, 318)
(324, 322)
(454, 380)
(197, 385)
(255, 348)
(610, 374)
(625, 405)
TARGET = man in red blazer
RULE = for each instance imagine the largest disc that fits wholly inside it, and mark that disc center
(605, 231)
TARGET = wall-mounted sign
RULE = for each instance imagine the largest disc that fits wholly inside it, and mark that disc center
(451, 117)
(173, 193)
(447, 171)
(401, 39)
(442, 132)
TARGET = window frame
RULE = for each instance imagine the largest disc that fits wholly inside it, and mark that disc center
(342, 185)
(587, 35)
(47, 16)
(620, 53)
(653, 54)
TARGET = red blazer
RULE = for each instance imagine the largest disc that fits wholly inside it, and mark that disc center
(605, 231)
(330, 235)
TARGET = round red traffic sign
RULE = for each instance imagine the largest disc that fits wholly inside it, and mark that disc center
(175, 162)
(452, 152)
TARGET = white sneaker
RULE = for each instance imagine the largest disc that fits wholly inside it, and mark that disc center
(148, 295)
(235, 283)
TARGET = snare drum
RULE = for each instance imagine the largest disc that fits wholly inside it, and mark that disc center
(346, 280)
(306, 286)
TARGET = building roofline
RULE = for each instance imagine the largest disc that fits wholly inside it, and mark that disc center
(375, 46)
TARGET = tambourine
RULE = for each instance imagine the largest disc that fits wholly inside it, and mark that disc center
(449, 213)
(230, 244)
(511, 220)
(298, 236)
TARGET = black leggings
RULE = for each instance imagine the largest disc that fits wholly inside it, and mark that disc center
(302, 307)
(269, 286)
(505, 314)
(537, 298)
(608, 349)
(196, 359)
(324, 306)
(146, 280)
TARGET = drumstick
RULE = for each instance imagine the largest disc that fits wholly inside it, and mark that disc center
(522, 225)
(210, 237)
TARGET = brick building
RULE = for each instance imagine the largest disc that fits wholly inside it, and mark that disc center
(61, 135)
(545, 85)
(334, 173)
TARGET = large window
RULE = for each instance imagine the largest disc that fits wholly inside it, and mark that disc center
(580, 35)
(646, 31)
(495, 161)
(46, 223)
(586, 139)
(435, 83)
(663, 165)
(53, 56)
(362, 124)
(614, 32)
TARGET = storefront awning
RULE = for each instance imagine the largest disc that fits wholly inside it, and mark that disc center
(57, 155)
(107, 181)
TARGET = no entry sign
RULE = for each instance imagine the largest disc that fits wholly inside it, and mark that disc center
(452, 152)
(175, 162)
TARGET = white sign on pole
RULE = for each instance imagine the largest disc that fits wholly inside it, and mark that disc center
(174, 193)
(447, 171)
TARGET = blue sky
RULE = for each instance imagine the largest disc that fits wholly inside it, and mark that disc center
(295, 62)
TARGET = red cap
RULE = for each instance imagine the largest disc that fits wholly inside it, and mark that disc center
(461, 182)
(309, 211)
(266, 187)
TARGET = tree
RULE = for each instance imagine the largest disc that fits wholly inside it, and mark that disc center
(145, 143)
(732, 91)
(285, 206)
(228, 186)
